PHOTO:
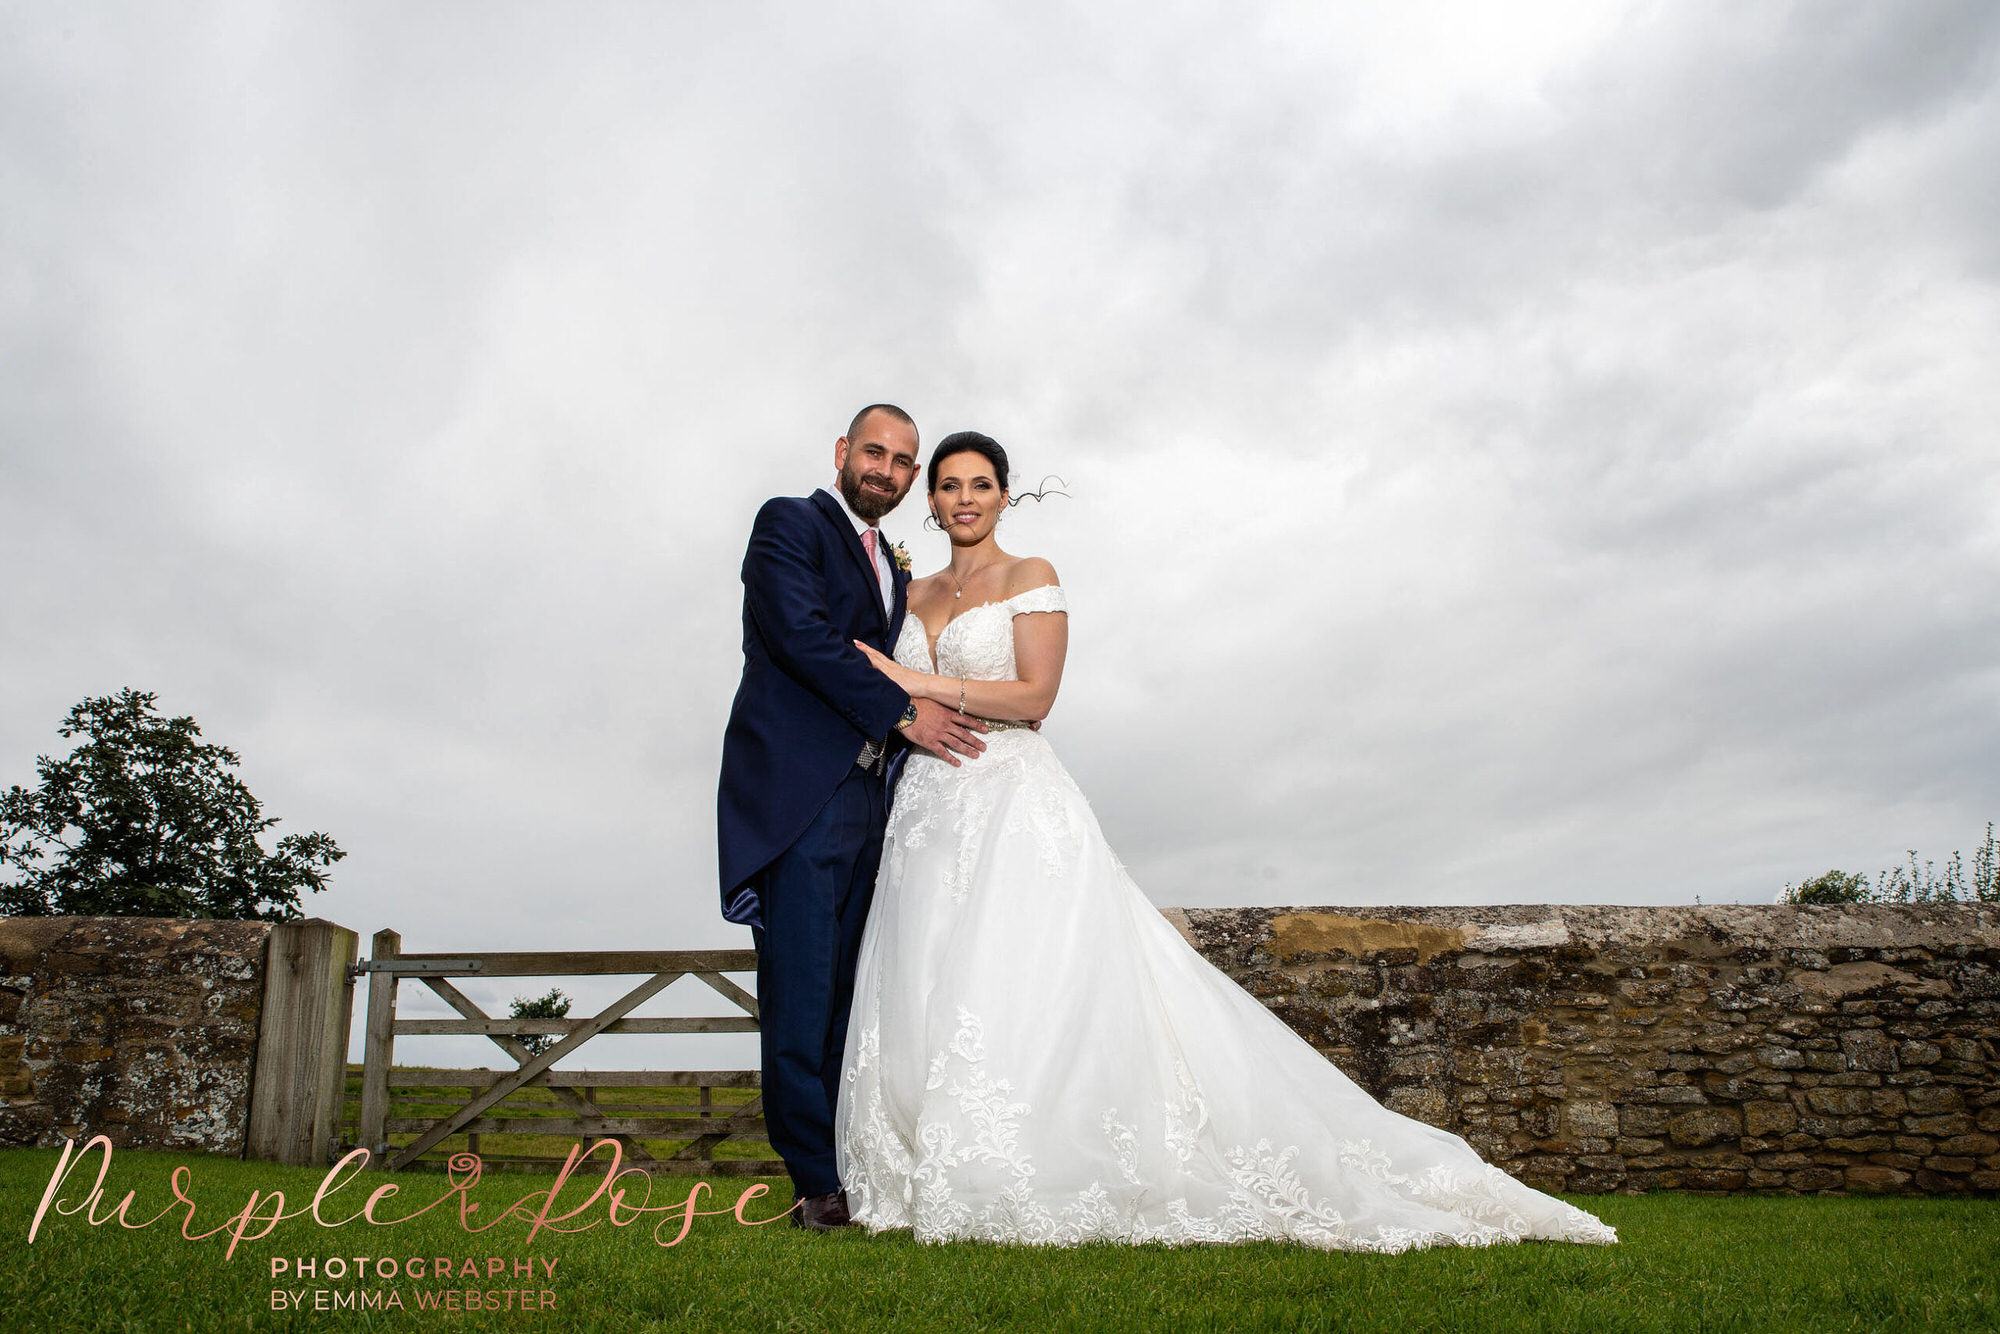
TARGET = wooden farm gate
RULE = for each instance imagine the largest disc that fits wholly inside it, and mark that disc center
(704, 1124)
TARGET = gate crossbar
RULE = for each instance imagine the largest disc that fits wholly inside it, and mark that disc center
(389, 966)
(576, 1102)
(514, 1079)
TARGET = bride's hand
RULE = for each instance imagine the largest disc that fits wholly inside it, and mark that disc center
(905, 679)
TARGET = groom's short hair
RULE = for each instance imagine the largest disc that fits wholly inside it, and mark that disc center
(854, 427)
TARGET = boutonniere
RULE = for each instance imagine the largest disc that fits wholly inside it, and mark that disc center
(900, 556)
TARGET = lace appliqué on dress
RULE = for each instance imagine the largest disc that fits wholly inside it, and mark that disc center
(1056, 1127)
(977, 1123)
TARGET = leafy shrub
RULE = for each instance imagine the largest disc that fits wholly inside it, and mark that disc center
(1830, 887)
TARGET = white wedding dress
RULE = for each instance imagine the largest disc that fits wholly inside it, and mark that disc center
(1036, 1055)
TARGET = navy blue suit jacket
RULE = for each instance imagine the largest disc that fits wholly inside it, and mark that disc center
(808, 700)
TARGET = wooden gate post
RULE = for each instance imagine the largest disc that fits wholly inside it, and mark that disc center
(299, 1080)
(379, 1050)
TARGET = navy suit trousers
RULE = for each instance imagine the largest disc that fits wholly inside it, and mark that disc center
(815, 898)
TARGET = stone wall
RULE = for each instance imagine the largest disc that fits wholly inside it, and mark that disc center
(1716, 1048)
(1769, 1048)
(140, 1028)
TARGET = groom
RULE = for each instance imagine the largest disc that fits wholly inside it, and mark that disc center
(803, 798)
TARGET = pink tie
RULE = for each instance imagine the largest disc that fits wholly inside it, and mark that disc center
(868, 545)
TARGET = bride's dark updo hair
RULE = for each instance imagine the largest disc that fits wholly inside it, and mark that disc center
(968, 442)
(973, 442)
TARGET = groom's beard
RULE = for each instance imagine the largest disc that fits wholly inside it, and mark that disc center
(869, 505)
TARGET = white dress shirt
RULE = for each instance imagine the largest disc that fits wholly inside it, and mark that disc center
(861, 526)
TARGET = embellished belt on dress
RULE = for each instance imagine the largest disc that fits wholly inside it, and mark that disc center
(871, 754)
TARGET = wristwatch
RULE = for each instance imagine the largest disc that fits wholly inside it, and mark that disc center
(909, 716)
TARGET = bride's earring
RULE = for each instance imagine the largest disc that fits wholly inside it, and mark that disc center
(931, 521)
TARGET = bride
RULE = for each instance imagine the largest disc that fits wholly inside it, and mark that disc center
(1035, 1054)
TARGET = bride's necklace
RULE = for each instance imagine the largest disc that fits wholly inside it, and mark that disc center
(961, 582)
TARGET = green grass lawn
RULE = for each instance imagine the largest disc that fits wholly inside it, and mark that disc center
(1685, 1262)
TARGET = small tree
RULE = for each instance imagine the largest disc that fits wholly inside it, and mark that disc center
(555, 1005)
(143, 819)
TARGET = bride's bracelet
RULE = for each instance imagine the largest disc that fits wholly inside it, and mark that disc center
(992, 724)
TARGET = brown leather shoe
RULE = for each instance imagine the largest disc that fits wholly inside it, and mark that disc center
(822, 1213)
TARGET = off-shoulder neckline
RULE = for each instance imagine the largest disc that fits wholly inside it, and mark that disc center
(931, 643)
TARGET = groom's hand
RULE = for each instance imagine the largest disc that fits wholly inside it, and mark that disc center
(941, 731)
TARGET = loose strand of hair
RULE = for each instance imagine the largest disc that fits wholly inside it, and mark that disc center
(1043, 494)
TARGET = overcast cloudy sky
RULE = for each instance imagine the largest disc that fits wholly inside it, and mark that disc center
(1515, 452)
